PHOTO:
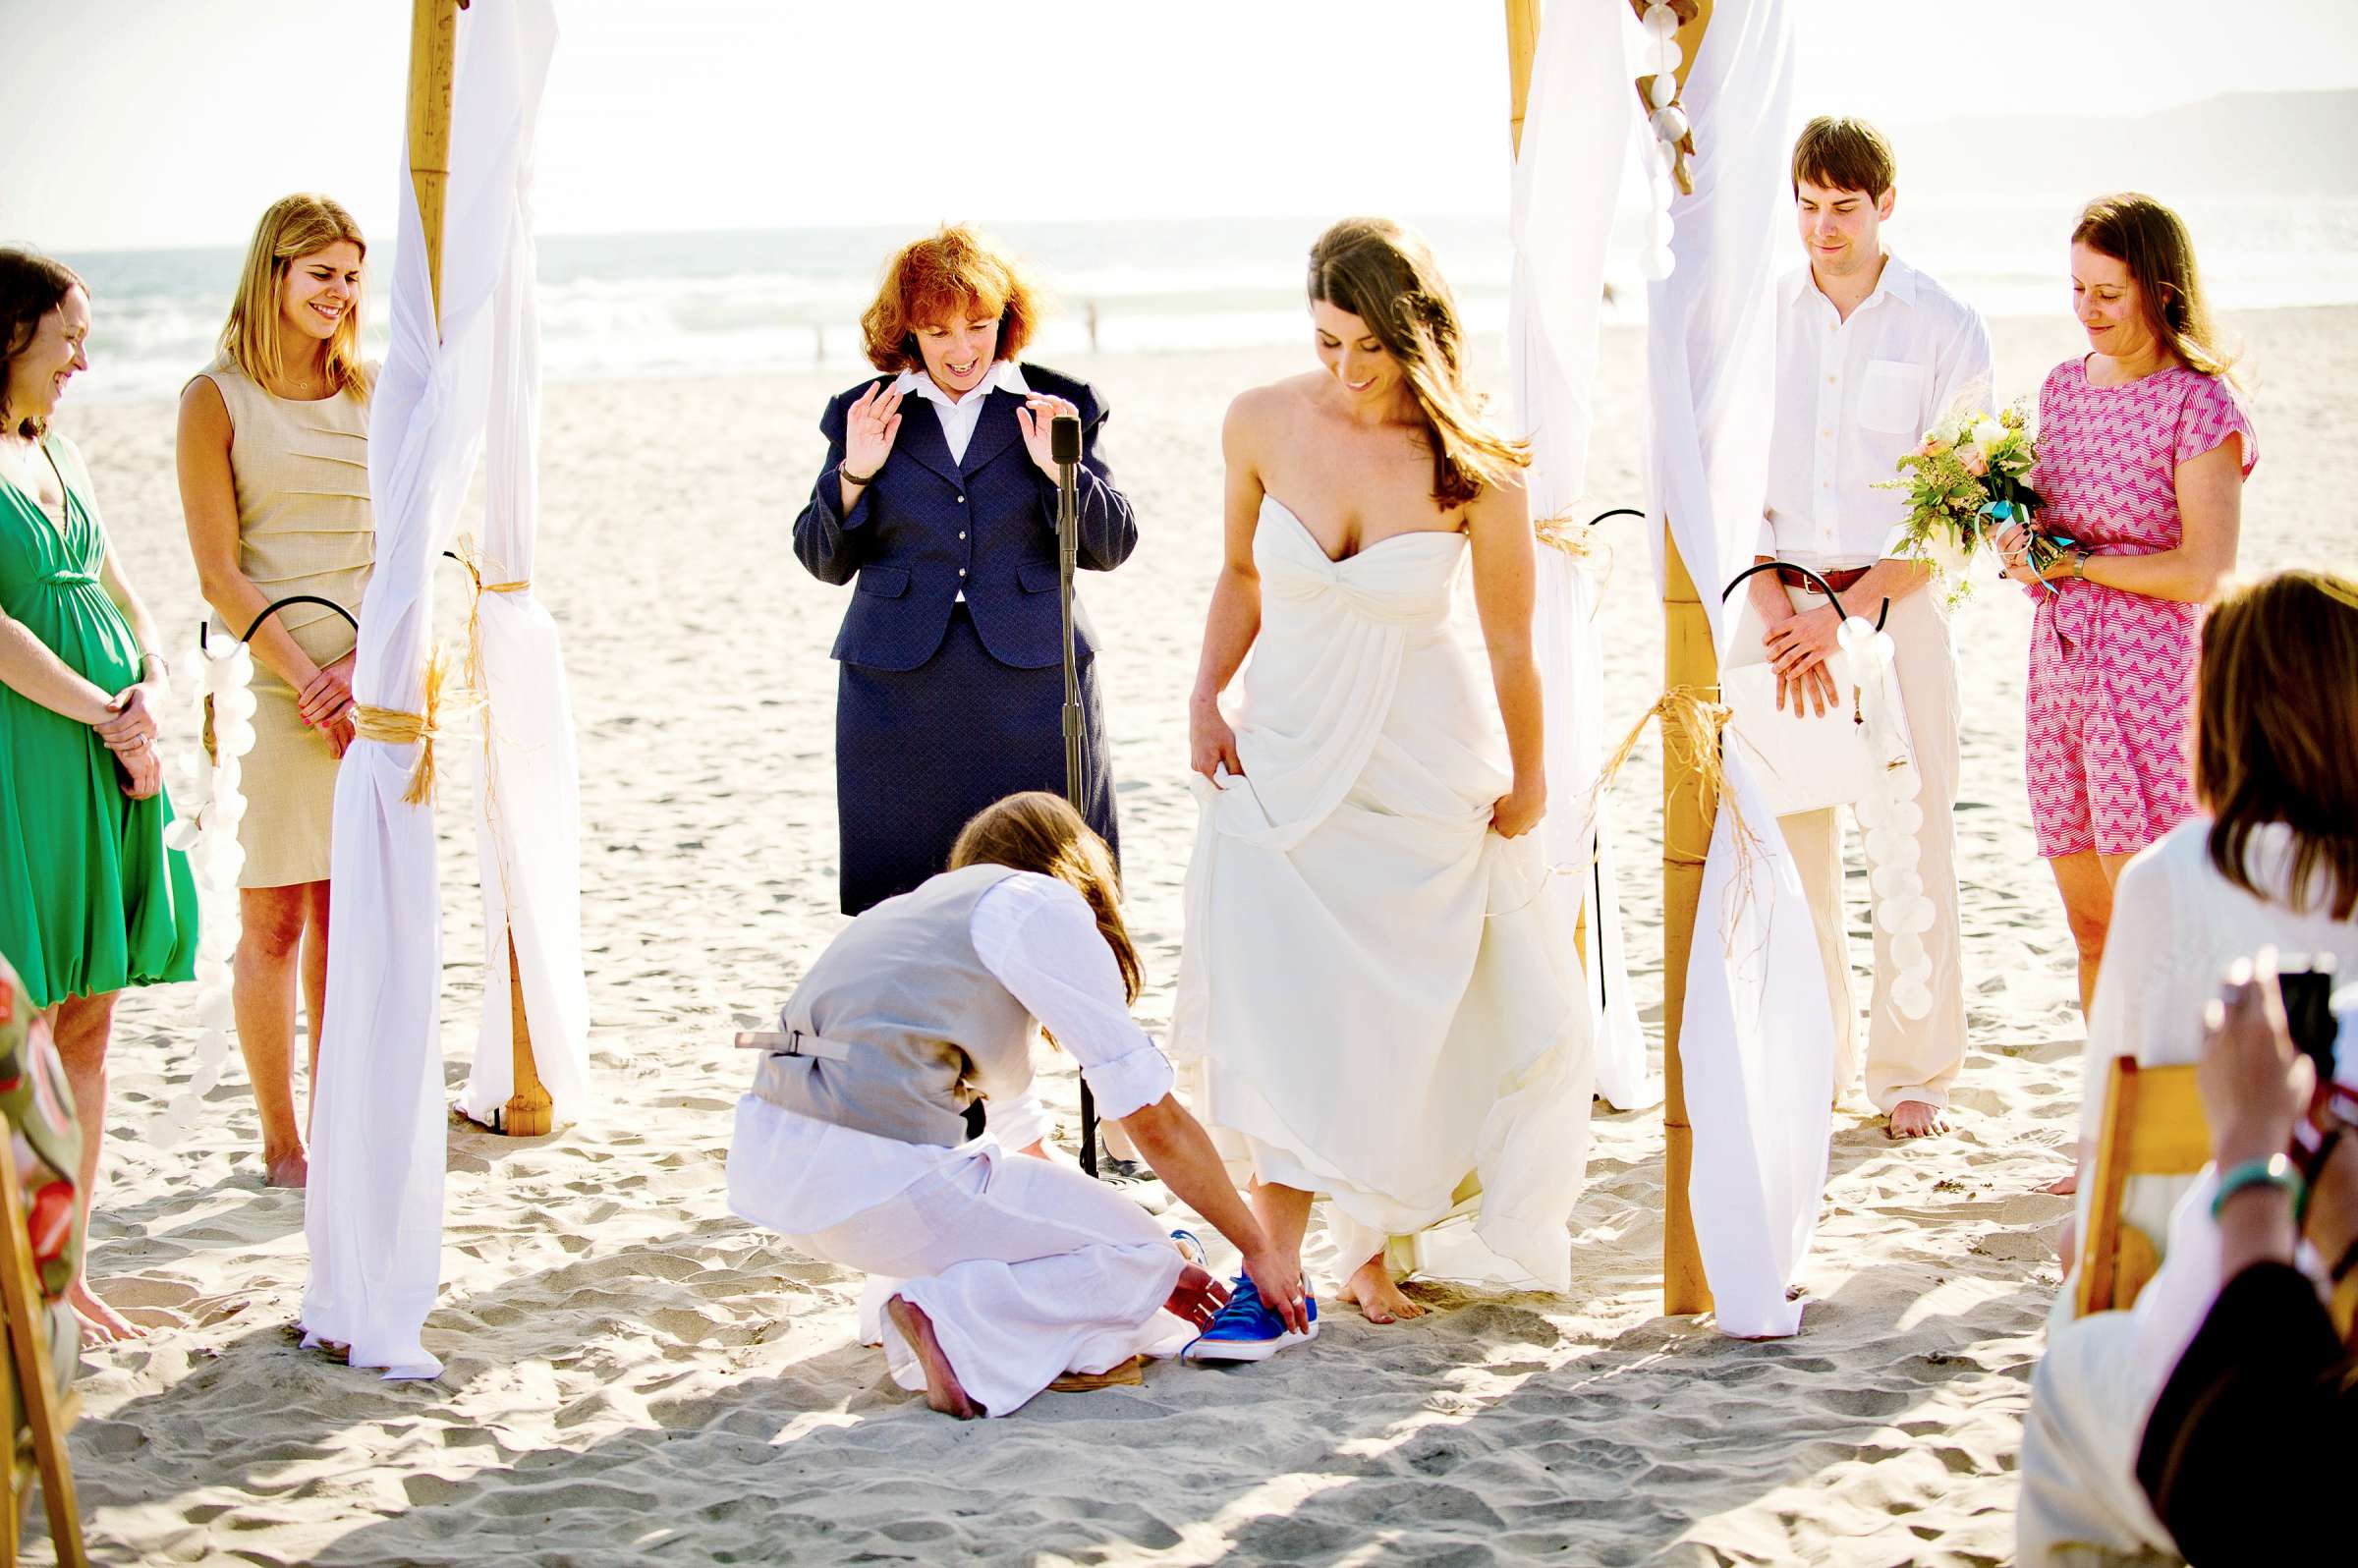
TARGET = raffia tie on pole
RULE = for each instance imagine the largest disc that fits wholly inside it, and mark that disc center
(476, 564)
(395, 727)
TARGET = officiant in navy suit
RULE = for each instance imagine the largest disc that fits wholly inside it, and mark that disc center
(937, 503)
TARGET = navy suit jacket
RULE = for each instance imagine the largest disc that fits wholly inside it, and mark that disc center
(929, 528)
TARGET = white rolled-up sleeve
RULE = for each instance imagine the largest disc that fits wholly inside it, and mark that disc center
(1037, 936)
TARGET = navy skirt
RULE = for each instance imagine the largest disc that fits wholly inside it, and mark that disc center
(920, 752)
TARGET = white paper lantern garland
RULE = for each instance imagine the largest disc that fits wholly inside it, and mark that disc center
(1668, 123)
(1892, 819)
(205, 828)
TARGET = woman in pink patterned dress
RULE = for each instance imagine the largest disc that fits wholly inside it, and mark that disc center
(2142, 449)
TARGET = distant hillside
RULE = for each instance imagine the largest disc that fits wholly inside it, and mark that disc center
(2239, 144)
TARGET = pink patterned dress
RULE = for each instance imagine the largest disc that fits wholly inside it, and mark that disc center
(2112, 688)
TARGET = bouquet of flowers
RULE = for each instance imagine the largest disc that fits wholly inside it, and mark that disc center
(1965, 482)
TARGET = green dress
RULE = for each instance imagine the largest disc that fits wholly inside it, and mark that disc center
(90, 900)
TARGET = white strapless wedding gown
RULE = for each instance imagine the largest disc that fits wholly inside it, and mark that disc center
(1376, 1004)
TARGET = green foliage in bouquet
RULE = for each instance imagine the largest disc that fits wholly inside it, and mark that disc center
(1966, 480)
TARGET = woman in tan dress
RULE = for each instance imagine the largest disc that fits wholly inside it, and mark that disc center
(275, 484)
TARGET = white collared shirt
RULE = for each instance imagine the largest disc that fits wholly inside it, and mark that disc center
(960, 415)
(1852, 398)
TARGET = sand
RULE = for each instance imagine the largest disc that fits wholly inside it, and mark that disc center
(632, 1374)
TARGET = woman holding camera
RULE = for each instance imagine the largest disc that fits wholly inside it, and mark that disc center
(2272, 863)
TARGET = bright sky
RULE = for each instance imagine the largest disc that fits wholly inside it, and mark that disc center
(140, 123)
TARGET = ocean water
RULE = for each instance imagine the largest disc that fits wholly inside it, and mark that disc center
(718, 304)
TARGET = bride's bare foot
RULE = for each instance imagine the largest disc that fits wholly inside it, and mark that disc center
(288, 1170)
(101, 1324)
(942, 1389)
(1379, 1299)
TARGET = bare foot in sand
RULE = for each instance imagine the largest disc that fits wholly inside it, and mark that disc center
(942, 1391)
(288, 1170)
(101, 1324)
(2064, 1185)
(1913, 1118)
(1380, 1299)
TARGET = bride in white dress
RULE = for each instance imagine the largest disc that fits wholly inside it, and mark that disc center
(1377, 1004)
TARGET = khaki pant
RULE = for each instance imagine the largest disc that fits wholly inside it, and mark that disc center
(1906, 1058)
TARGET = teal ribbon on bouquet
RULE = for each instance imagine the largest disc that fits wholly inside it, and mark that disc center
(2004, 513)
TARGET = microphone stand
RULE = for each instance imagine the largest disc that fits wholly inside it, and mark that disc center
(1064, 442)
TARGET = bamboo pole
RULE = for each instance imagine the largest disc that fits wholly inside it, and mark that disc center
(1689, 808)
(433, 59)
(1522, 42)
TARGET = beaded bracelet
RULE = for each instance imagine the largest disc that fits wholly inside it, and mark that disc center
(2274, 1171)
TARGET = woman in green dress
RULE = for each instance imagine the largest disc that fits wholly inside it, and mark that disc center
(90, 900)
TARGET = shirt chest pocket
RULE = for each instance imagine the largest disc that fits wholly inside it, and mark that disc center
(1891, 397)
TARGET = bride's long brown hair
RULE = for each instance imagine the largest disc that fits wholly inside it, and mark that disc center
(1385, 274)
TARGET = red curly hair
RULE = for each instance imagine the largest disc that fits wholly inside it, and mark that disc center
(931, 280)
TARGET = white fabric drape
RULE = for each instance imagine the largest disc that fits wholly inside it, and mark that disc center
(1756, 1040)
(1575, 132)
(527, 801)
(373, 1208)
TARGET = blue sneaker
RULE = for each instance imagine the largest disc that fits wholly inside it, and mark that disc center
(1247, 1330)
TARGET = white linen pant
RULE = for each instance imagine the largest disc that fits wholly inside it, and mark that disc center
(1028, 1270)
(1906, 1058)
(2081, 1503)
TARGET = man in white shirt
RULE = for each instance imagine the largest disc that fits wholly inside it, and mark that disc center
(1869, 352)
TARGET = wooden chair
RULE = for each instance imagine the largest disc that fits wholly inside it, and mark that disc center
(38, 1451)
(36, 1394)
(2154, 1126)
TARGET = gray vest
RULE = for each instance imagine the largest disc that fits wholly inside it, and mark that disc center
(929, 1028)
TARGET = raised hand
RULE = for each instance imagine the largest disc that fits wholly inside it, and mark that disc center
(869, 431)
(1038, 411)
(328, 700)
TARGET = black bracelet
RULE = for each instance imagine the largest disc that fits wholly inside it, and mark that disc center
(854, 478)
(2347, 1262)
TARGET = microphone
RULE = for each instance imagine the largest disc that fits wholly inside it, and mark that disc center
(1064, 440)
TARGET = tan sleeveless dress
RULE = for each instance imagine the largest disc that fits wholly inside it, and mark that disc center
(304, 525)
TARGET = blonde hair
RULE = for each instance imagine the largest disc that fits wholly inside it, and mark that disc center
(1386, 276)
(1035, 831)
(292, 227)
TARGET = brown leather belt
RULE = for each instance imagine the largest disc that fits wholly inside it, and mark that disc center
(1792, 577)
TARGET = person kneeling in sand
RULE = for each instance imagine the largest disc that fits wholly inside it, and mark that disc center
(853, 1143)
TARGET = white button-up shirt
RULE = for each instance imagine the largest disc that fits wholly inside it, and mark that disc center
(960, 415)
(1852, 398)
